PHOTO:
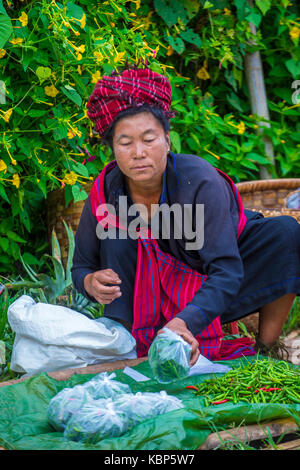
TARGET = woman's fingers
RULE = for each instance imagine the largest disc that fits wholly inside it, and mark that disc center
(99, 285)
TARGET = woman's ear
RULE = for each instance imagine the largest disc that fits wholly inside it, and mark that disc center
(168, 141)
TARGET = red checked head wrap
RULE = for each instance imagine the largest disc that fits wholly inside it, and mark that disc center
(133, 87)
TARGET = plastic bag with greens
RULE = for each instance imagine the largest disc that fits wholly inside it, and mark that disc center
(96, 420)
(141, 406)
(67, 402)
(169, 357)
(103, 386)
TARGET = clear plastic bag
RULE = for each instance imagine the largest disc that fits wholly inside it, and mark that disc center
(169, 357)
(141, 406)
(67, 402)
(106, 418)
(103, 386)
(96, 420)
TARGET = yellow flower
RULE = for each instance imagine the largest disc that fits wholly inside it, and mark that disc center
(2, 53)
(51, 91)
(295, 32)
(170, 50)
(73, 132)
(83, 21)
(16, 180)
(80, 48)
(79, 56)
(16, 41)
(241, 127)
(96, 76)
(70, 178)
(118, 56)
(6, 115)
(203, 73)
(282, 141)
(227, 12)
(23, 19)
(3, 166)
(79, 70)
(98, 55)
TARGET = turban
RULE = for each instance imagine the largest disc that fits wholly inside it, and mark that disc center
(133, 87)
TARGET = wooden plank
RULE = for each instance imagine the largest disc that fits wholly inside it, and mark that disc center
(290, 445)
(250, 433)
(94, 369)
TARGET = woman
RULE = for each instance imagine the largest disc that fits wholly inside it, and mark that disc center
(240, 263)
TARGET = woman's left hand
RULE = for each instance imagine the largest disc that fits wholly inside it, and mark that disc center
(179, 326)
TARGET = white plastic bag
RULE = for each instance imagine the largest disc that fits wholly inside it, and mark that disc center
(51, 337)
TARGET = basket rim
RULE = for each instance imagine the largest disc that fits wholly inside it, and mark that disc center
(268, 184)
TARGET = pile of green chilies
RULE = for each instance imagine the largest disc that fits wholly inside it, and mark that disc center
(261, 381)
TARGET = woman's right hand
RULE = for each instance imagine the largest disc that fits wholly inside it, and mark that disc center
(102, 285)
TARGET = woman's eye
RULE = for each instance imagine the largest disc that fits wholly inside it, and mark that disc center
(149, 140)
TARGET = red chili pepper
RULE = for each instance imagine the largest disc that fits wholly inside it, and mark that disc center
(219, 402)
(192, 387)
(272, 389)
(262, 388)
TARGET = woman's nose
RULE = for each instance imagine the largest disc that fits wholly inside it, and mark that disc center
(139, 150)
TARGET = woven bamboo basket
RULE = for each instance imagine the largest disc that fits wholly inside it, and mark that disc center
(266, 196)
(270, 196)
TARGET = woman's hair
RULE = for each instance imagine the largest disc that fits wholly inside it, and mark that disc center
(157, 112)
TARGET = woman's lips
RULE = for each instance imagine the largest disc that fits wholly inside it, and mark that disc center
(140, 168)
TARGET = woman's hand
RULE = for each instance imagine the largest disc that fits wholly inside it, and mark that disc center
(179, 326)
(102, 285)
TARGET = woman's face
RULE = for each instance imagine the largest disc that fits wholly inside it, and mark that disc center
(140, 146)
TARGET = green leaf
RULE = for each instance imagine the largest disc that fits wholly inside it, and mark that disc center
(254, 17)
(56, 252)
(71, 240)
(4, 243)
(255, 157)
(37, 112)
(190, 36)
(243, 9)
(177, 44)
(175, 141)
(59, 273)
(72, 94)
(234, 100)
(80, 168)
(14, 236)
(248, 164)
(30, 259)
(263, 5)
(6, 28)
(79, 194)
(43, 73)
(293, 67)
(3, 194)
(172, 10)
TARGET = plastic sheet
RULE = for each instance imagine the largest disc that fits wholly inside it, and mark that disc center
(169, 357)
(24, 424)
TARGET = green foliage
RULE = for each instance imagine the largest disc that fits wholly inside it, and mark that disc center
(52, 54)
